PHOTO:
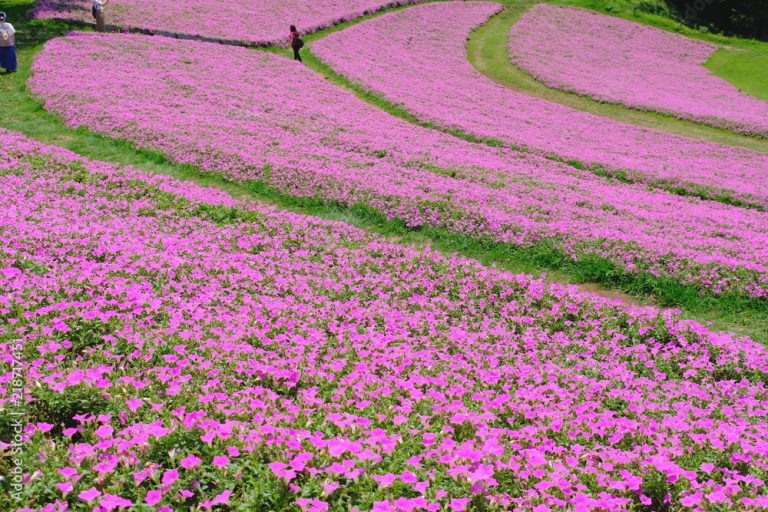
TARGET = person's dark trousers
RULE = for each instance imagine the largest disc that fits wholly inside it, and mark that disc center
(8, 58)
(296, 55)
(100, 21)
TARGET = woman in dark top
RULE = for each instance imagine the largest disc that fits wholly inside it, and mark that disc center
(296, 43)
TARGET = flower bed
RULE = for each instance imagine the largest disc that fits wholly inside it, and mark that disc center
(173, 349)
(428, 73)
(619, 61)
(253, 22)
(258, 117)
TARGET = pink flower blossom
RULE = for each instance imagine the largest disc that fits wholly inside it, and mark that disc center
(190, 461)
(220, 499)
(169, 477)
(111, 502)
(220, 460)
(153, 497)
(89, 494)
(310, 505)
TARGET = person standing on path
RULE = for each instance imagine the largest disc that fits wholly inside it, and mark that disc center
(296, 43)
(98, 12)
(7, 45)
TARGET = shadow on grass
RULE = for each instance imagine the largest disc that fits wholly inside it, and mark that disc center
(31, 32)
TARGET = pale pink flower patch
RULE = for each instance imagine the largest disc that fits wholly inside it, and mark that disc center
(503, 378)
(616, 60)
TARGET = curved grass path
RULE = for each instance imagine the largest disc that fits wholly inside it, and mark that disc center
(487, 51)
(21, 112)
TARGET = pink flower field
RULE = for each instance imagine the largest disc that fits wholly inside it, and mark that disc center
(251, 22)
(619, 61)
(181, 350)
(427, 72)
(258, 116)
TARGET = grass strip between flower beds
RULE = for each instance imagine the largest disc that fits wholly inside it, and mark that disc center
(728, 311)
(590, 268)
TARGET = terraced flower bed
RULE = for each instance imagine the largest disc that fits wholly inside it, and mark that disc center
(259, 117)
(427, 72)
(183, 350)
(250, 22)
(619, 61)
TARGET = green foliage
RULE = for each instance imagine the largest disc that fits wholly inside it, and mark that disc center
(180, 441)
(28, 264)
(262, 490)
(745, 18)
(87, 334)
(661, 493)
(59, 409)
(628, 6)
(8, 425)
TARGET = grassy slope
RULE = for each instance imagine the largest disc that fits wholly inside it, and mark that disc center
(746, 68)
(23, 113)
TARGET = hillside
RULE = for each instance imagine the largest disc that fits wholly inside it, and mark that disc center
(462, 256)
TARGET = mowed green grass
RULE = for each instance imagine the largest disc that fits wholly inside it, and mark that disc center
(746, 68)
(22, 112)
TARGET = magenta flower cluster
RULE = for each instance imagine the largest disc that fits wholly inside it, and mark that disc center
(258, 116)
(619, 61)
(181, 350)
(249, 22)
(417, 58)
